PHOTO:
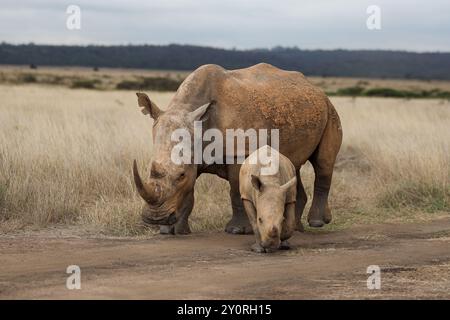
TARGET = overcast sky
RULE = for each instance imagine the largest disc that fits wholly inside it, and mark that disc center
(317, 24)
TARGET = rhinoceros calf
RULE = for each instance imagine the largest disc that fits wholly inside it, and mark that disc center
(269, 199)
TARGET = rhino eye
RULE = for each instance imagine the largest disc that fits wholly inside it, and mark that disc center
(260, 220)
(181, 176)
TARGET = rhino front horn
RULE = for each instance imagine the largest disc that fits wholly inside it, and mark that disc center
(142, 187)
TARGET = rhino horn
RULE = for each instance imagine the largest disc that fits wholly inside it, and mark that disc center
(142, 188)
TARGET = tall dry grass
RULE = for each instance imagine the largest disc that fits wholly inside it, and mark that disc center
(66, 155)
(395, 158)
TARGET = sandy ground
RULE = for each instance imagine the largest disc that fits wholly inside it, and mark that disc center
(414, 261)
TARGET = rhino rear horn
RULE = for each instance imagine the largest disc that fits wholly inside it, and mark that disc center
(199, 113)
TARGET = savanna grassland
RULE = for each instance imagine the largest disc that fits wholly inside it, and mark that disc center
(66, 156)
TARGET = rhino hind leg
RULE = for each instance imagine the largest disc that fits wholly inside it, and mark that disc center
(300, 204)
(323, 160)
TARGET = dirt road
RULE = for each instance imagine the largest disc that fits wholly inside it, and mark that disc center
(414, 261)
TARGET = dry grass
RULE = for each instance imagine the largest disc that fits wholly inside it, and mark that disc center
(66, 155)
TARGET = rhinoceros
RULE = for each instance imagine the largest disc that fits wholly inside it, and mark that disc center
(269, 199)
(258, 97)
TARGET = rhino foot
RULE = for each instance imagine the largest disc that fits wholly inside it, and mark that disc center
(178, 228)
(284, 245)
(327, 216)
(319, 216)
(239, 226)
(182, 227)
(316, 223)
(166, 229)
(315, 217)
(256, 247)
(299, 227)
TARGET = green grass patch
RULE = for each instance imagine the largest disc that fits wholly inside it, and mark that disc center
(85, 83)
(417, 196)
(350, 91)
(3, 190)
(27, 78)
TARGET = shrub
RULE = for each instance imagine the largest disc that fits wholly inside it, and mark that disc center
(384, 92)
(129, 85)
(85, 83)
(27, 78)
(150, 83)
(350, 91)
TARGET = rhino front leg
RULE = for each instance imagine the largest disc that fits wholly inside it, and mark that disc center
(251, 213)
(239, 223)
(182, 225)
(289, 225)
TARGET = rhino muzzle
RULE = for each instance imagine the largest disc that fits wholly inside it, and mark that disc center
(167, 220)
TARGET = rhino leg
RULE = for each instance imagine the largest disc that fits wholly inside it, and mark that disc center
(300, 204)
(322, 161)
(284, 245)
(256, 247)
(251, 213)
(239, 223)
(181, 227)
(288, 226)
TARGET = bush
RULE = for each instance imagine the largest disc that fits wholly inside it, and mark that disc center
(129, 85)
(27, 78)
(150, 83)
(384, 92)
(350, 91)
(85, 83)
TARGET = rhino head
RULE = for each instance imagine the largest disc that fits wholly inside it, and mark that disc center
(270, 207)
(170, 185)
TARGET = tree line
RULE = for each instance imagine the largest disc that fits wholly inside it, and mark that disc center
(327, 63)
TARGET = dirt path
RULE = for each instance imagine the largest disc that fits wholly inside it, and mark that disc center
(414, 261)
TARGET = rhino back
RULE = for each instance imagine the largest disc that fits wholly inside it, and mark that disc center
(260, 97)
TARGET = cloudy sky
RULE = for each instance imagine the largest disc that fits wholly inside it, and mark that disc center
(320, 24)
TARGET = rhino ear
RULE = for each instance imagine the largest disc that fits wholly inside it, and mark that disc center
(289, 184)
(256, 182)
(148, 106)
(200, 113)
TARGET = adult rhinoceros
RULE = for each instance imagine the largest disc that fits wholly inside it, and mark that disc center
(258, 97)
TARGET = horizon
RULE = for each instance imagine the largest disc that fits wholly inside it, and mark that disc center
(221, 48)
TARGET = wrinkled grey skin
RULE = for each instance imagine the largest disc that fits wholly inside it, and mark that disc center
(259, 97)
(270, 211)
